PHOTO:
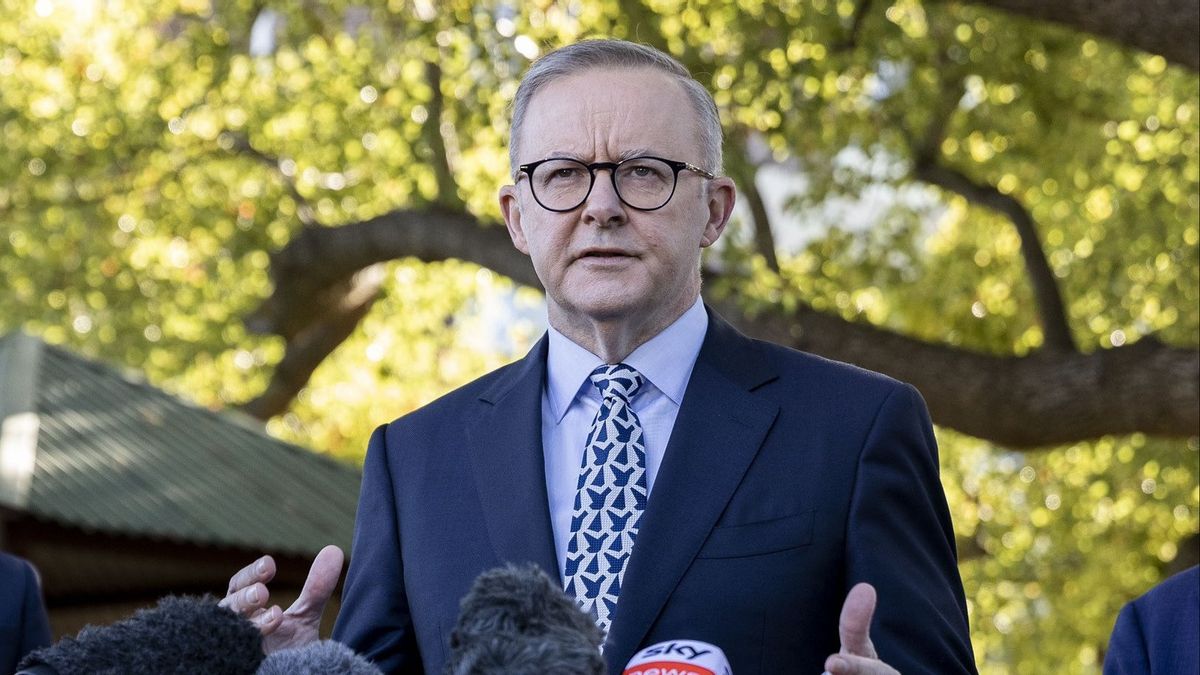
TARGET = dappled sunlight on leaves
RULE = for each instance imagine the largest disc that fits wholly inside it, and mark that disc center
(157, 153)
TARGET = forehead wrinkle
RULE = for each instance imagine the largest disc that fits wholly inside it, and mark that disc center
(619, 133)
(588, 157)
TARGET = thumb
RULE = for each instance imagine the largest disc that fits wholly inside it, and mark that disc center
(854, 626)
(322, 580)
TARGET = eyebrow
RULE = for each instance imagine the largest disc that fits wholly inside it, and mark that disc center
(635, 152)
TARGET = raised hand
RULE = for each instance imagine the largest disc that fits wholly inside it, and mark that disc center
(298, 625)
(857, 655)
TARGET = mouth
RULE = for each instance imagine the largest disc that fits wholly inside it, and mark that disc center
(603, 254)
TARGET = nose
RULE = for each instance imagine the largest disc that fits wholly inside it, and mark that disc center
(603, 207)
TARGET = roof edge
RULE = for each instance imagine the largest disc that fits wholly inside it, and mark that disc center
(20, 359)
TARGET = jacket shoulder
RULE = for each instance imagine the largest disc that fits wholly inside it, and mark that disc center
(752, 361)
(14, 568)
(803, 369)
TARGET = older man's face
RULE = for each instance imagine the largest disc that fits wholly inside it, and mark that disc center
(605, 261)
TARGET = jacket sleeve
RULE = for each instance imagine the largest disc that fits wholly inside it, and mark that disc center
(374, 619)
(35, 625)
(899, 539)
(1127, 652)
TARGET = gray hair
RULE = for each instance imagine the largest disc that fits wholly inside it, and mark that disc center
(616, 54)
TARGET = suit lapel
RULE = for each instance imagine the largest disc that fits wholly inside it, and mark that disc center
(506, 455)
(717, 434)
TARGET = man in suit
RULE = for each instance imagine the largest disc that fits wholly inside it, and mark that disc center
(683, 480)
(1159, 633)
(23, 623)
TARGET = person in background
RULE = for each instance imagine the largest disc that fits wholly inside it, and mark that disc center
(1159, 633)
(24, 625)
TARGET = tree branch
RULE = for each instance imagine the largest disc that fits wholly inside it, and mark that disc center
(447, 188)
(926, 167)
(320, 293)
(318, 258)
(308, 349)
(1163, 27)
(1043, 399)
(1033, 401)
(969, 548)
(743, 171)
(1049, 302)
(240, 144)
(1188, 555)
(850, 41)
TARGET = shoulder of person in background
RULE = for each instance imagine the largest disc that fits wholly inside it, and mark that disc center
(1160, 631)
(24, 625)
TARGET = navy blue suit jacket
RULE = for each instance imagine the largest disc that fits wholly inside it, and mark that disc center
(23, 623)
(1159, 633)
(787, 479)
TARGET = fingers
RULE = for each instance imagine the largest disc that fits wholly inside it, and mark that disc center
(848, 664)
(858, 655)
(248, 600)
(248, 595)
(262, 570)
(854, 626)
(267, 620)
(322, 580)
(247, 592)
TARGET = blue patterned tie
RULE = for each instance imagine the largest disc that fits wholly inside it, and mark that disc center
(610, 499)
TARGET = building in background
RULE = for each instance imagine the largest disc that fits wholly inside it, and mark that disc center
(120, 493)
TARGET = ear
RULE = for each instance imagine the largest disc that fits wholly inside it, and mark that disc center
(510, 208)
(721, 197)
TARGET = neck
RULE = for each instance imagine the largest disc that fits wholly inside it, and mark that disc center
(613, 339)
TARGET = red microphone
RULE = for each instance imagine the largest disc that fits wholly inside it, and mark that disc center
(679, 657)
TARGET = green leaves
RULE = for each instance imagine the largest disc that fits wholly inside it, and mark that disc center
(153, 163)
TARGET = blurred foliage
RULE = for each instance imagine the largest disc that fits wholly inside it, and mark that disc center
(135, 229)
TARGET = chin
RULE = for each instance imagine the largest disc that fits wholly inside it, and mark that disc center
(606, 295)
(610, 309)
(604, 306)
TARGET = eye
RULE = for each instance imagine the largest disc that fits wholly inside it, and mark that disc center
(562, 171)
(644, 170)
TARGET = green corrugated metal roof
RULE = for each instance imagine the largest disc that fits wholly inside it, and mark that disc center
(119, 455)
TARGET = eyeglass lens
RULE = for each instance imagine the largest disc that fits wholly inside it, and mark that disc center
(643, 183)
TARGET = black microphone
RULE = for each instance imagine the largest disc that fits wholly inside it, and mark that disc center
(518, 621)
(180, 635)
(326, 657)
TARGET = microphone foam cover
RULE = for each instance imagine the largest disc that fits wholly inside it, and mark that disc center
(516, 621)
(520, 600)
(180, 635)
(326, 657)
(553, 653)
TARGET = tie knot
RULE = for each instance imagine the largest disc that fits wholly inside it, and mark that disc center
(618, 380)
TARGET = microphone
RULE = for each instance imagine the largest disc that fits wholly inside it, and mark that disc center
(318, 658)
(517, 621)
(679, 657)
(179, 635)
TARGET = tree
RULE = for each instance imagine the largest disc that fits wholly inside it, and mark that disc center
(1036, 399)
(1027, 256)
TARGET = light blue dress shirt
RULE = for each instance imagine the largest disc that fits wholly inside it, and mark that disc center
(568, 407)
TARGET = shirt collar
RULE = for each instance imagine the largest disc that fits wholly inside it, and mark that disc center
(665, 360)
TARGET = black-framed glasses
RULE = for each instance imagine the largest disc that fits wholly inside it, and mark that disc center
(644, 183)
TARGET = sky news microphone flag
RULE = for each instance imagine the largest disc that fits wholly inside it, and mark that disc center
(679, 657)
